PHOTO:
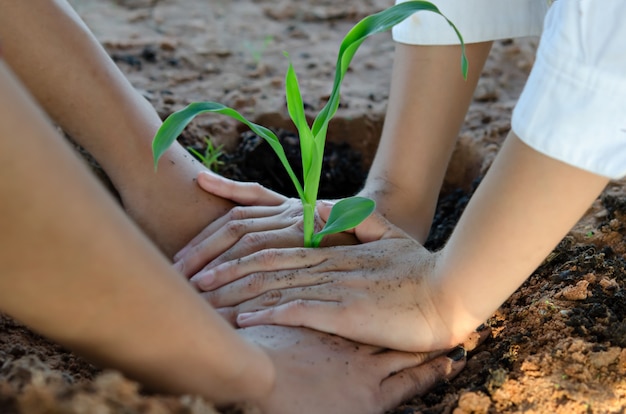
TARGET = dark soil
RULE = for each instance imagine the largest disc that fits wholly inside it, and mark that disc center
(254, 160)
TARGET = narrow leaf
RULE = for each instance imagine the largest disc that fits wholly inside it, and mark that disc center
(370, 25)
(176, 122)
(295, 107)
(345, 215)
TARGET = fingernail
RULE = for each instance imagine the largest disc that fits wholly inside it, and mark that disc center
(242, 317)
(203, 281)
(212, 175)
(457, 354)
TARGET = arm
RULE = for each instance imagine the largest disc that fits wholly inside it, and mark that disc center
(76, 270)
(427, 105)
(70, 75)
(522, 209)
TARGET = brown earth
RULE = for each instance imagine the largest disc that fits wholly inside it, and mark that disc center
(558, 344)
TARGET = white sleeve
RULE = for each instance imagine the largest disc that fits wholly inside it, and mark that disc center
(573, 107)
(477, 20)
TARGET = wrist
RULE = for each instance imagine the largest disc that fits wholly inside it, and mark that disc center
(403, 208)
(168, 204)
(257, 379)
(457, 312)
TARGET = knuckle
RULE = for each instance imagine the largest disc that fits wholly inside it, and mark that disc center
(257, 239)
(299, 226)
(299, 305)
(257, 189)
(271, 298)
(293, 212)
(191, 262)
(234, 228)
(237, 213)
(256, 282)
(269, 257)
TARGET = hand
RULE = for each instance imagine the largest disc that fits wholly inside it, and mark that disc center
(321, 373)
(266, 220)
(380, 292)
(269, 212)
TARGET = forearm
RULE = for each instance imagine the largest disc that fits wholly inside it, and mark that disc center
(427, 105)
(78, 271)
(73, 79)
(69, 74)
(525, 205)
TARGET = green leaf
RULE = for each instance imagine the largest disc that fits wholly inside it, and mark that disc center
(176, 122)
(370, 25)
(295, 107)
(345, 215)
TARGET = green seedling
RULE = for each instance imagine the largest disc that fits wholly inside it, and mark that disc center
(210, 158)
(256, 51)
(347, 213)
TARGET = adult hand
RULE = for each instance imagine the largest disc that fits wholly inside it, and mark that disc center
(321, 373)
(382, 292)
(264, 219)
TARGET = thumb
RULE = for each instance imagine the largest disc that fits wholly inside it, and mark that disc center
(243, 193)
(375, 227)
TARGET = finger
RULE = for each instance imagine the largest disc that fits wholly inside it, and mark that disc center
(234, 214)
(248, 194)
(328, 317)
(392, 362)
(266, 290)
(420, 379)
(373, 228)
(265, 260)
(254, 242)
(251, 231)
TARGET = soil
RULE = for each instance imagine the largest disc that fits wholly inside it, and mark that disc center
(558, 344)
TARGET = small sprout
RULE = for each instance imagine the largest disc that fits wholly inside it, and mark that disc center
(256, 51)
(211, 156)
(347, 213)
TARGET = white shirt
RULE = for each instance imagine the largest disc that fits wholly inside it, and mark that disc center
(477, 20)
(573, 107)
